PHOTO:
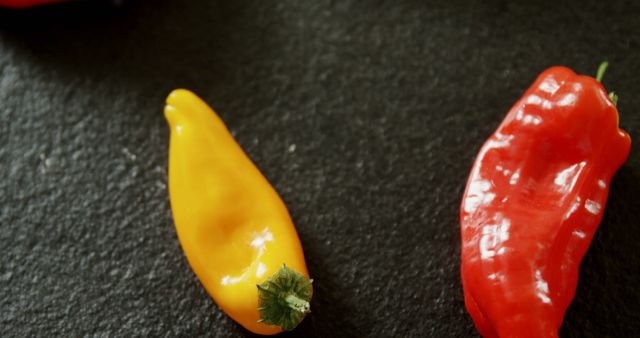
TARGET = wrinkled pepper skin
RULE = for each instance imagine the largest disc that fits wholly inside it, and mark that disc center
(533, 201)
(232, 225)
(21, 4)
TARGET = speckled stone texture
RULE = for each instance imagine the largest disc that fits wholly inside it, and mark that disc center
(365, 115)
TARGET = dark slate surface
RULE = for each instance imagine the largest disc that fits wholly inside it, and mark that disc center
(365, 115)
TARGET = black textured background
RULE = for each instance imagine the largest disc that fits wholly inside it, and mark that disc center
(365, 115)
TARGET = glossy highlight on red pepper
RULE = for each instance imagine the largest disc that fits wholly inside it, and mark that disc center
(534, 199)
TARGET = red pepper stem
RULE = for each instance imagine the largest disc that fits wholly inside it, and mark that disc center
(601, 69)
(600, 74)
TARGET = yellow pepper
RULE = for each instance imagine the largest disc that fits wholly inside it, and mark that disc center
(233, 227)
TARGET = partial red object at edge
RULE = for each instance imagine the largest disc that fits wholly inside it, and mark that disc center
(26, 3)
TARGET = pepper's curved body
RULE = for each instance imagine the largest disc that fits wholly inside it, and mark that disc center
(533, 201)
(232, 225)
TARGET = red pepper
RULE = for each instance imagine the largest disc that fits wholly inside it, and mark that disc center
(26, 3)
(533, 201)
